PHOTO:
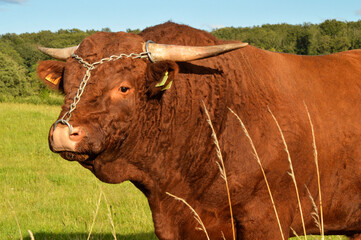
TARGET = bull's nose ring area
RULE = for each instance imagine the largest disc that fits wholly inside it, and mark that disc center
(65, 123)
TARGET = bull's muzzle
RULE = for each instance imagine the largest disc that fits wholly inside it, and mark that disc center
(61, 139)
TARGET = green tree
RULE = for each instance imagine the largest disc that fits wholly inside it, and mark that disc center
(135, 31)
(332, 27)
(7, 48)
(13, 80)
(333, 37)
(106, 29)
(354, 34)
(303, 41)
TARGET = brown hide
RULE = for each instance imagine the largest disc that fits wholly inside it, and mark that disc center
(162, 142)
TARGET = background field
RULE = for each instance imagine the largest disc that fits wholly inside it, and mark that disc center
(54, 198)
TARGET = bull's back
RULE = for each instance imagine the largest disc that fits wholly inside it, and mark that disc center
(331, 86)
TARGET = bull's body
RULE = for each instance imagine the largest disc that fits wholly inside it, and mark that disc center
(166, 144)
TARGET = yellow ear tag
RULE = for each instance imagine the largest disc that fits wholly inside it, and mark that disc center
(168, 86)
(50, 78)
(164, 80)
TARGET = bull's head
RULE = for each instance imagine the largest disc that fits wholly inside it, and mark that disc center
(105, 111)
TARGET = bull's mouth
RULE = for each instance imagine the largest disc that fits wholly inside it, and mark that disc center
(86, 160)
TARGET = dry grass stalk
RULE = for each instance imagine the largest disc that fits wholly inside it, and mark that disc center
(109, 214)
(292, 173)
(263, 172)
(223, 237)
(16, 219)
(196, 216)
(318, 173)
(222, 169)
(96, 213)
(294, 232)
(315, 215)
(31, 235)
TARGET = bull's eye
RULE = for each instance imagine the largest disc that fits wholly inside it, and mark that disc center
(124, 89)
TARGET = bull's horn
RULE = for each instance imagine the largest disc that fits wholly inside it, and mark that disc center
(58, 53)
(161, 52)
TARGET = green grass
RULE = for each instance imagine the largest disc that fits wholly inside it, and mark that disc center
(54, 198)
(57, 199)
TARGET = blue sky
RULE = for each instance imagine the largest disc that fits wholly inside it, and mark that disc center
(19, 16)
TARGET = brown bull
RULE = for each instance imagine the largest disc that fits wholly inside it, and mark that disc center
(145, 122)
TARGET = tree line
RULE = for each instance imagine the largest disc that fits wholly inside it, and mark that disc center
(307, 39)
(19, 55)
(19, 58)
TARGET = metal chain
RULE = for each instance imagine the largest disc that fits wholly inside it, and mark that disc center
(90, 67)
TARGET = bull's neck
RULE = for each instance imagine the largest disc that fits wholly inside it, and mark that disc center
(172, 142)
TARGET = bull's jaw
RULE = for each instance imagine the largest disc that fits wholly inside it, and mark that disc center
(88, 164)
(85, 160)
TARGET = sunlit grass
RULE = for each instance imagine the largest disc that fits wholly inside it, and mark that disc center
(52, 197)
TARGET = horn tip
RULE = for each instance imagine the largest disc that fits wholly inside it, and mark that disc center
(40, 48)
(243, 44)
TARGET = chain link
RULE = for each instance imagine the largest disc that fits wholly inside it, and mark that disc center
(90, 67)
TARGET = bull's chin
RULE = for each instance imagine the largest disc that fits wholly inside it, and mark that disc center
(85, 160)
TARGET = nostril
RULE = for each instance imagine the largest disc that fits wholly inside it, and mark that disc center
(77, 134)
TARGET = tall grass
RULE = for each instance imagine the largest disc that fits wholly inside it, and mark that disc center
(262, 170)
(291, 173)
(95, 215)
(16, 218)
(195, 214)
(315, 153)
(102, 195)
(318, 212)
(223, 174)
(222, 169)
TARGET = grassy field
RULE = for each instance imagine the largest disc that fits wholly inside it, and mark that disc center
(57, 199)
(54, 198)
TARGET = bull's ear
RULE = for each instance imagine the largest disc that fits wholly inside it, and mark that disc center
(160, 77)
(51, 72)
